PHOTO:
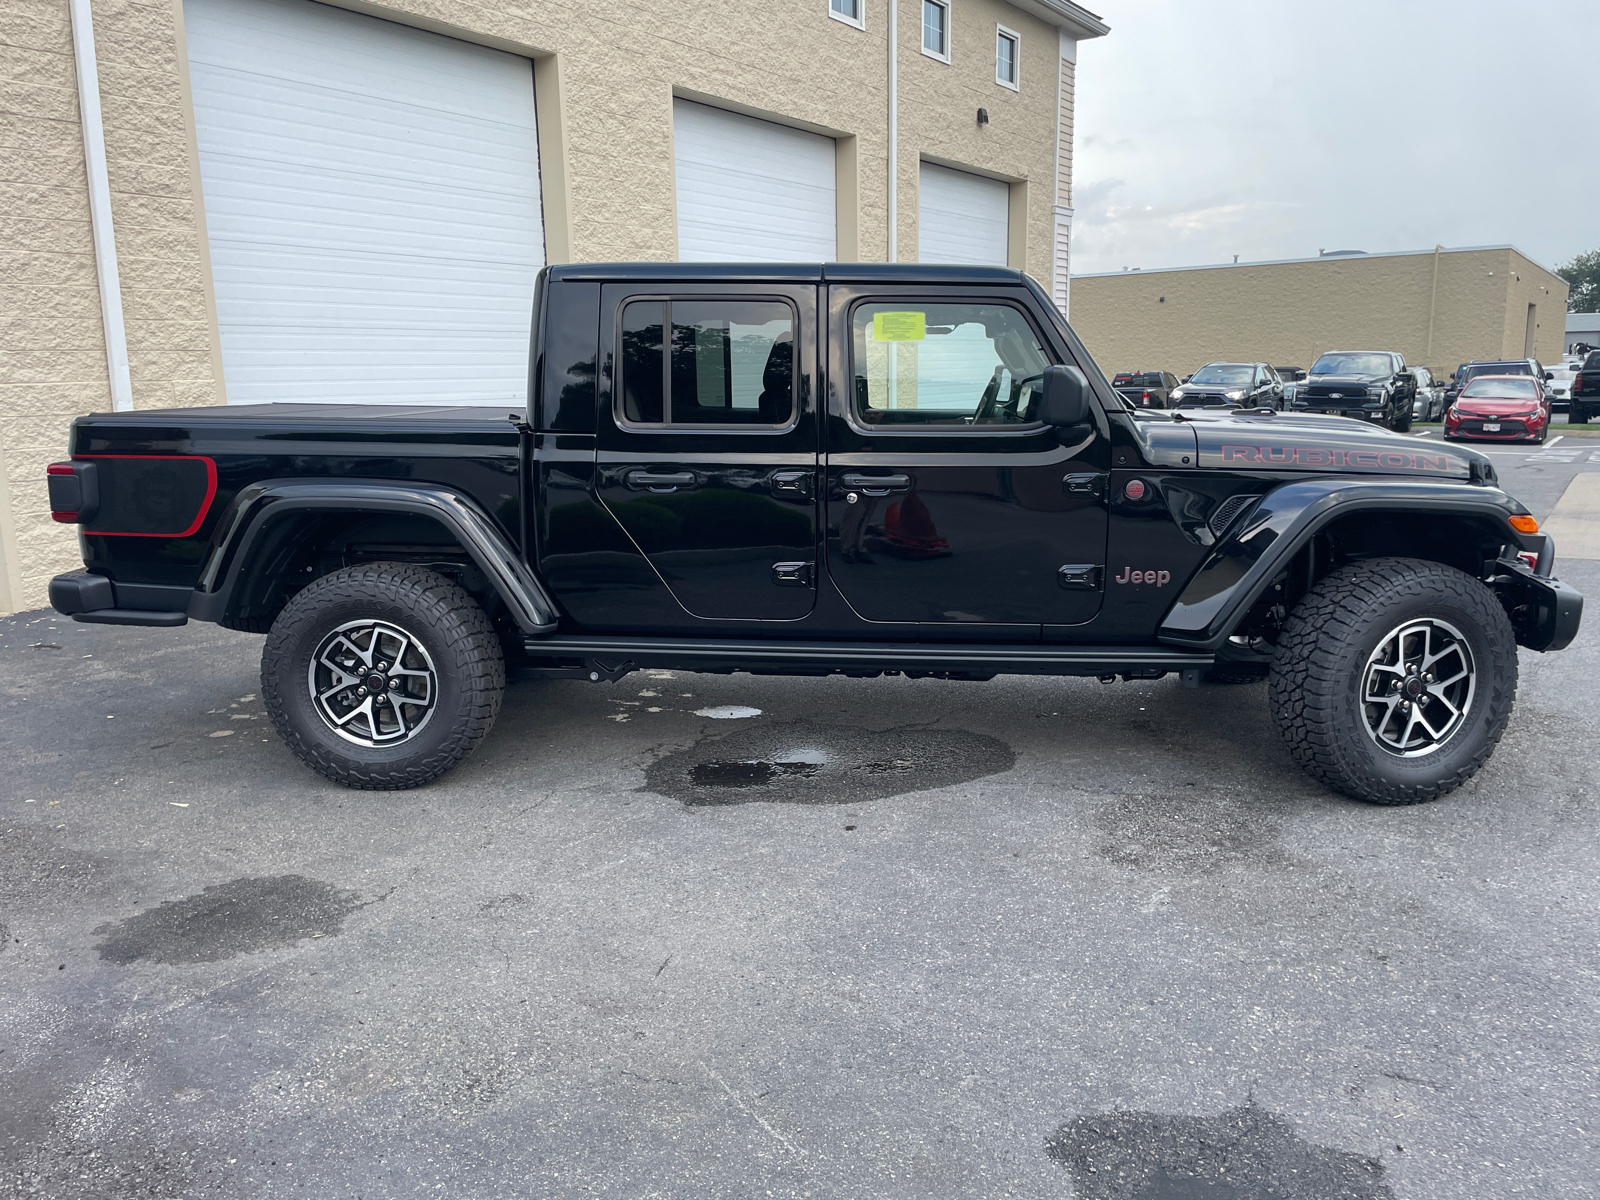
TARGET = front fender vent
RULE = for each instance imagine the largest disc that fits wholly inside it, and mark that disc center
(1228, 511)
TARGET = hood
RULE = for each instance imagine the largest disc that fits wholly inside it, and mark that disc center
(1230, 440)
(1487, 406)
(1352, 380)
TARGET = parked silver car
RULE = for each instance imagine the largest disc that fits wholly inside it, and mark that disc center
(1429, 402)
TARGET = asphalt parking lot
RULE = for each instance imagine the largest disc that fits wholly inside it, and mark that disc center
(1023, 938)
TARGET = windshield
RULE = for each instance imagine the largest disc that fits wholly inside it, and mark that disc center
(1353, 364)
(1592, 363)
(1221, 373)
(1500, 389)
(1512, 368)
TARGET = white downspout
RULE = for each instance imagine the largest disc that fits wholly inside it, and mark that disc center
(894, 132)
(105, 242)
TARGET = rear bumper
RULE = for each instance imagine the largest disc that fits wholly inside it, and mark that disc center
(96, 600)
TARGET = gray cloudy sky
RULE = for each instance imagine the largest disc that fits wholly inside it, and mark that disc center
(1275, 128)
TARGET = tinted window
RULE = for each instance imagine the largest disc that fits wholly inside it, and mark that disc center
(731, 362)
(1504, 389)
(945, 364)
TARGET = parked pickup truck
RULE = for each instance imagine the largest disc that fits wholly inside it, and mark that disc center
(1584, 395)
(1367, 385)
(808, 470)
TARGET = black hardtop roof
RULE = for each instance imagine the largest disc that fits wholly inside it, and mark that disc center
(746, 272)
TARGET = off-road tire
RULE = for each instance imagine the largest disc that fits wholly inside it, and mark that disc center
(1321, 659)
(1402, 421)
(1577, 416)
(466, 660)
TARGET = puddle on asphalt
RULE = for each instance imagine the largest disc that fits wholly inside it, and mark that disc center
(1245, 1153)
(1186, 835)
(229, 919)
(799, 762)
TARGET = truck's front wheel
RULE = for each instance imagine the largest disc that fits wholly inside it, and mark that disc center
(382, 676)
(1394, 679)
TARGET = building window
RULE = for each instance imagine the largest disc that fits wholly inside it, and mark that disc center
(936, 29)
(1007, 47)
(848, 11)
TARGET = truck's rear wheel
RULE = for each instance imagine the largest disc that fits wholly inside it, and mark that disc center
(382, 676)
(1394, 679)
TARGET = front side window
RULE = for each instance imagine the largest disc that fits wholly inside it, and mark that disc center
(945, 364)
(707, 362)
(1005, 56)
(848, 11)
(936, 28)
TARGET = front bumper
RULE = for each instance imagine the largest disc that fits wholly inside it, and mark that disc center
(1545, 612)
(1509, 429)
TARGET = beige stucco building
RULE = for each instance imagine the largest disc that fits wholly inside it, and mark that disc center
(272, 170)
(1438, 307)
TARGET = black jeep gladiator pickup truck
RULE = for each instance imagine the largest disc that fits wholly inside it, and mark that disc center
(804, 470)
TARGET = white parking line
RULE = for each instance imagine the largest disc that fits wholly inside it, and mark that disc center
(1554, 440)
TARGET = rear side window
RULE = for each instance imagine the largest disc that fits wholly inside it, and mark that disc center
(945, 364)
(707, 362)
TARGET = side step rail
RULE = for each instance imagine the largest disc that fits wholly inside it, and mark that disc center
(605, 657)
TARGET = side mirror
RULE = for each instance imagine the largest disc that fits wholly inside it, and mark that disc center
(1548, 376)
(1066, 397)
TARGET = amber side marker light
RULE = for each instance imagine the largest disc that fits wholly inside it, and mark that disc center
(1523, 523)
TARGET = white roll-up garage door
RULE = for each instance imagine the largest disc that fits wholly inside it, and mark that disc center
(372, 204)
(961, 217)
(751, 190)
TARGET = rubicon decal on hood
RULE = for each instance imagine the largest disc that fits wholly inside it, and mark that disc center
(1333, 458)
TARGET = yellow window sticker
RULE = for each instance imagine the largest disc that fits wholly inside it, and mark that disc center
(899, 326)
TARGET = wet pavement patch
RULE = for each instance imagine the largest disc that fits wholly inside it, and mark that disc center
(799, 762)
(1186, 835)
(1245, 1153)
(228, 919)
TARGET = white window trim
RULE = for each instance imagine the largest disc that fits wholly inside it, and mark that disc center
(858, 23)
(1001, 31)
(922, 35)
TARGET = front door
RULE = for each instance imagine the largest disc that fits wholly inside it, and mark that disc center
(707, 450)
(948, 503)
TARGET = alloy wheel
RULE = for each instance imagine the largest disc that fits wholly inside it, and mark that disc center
(1417, 688)
(373, 683)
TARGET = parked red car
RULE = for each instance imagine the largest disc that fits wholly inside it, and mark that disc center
(1500, 408)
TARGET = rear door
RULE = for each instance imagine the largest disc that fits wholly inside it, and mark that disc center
(947, 503)
(707, 449)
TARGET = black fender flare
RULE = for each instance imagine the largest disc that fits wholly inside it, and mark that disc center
(1241, 567)
(259, 504)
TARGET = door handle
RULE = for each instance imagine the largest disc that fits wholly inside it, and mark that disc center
(875, 485)
(659, 481)
(792, 485)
